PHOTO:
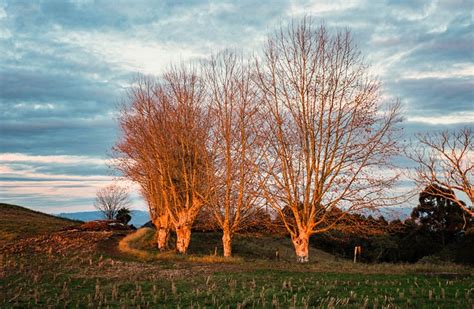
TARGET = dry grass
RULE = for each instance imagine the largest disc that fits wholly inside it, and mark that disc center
(211, 259)
(252, 253)
(143, 277)
(18, 222)
(128, 244)
(138, 244)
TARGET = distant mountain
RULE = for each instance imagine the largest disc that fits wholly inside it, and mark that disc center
(139, 217)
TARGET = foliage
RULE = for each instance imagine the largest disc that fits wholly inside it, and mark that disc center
(446, 159)
(438, 214)
(123, 215)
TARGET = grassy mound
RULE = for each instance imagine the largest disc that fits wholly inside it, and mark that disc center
(208, 247)
(18, 222)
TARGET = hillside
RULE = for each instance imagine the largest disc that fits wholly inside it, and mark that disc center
(97, 269)
(123, 269)
(18, 222)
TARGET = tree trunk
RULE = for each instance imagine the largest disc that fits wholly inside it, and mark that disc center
(301, 244)
(162, 238)
(183, 237)
(162, 231)
(227, 243)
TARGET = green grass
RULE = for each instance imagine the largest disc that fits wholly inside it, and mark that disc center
(19, 222)
(101, 275)
(81, 282)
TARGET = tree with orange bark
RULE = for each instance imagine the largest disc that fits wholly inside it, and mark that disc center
(446, 164)
(184, 161)
(330, 139)
(164, 149)
(135, 153)
(236, 143)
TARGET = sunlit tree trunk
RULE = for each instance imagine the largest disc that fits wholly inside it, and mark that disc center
(162, 225)
(162, 238)
(227, 242)
(183, 238)
(301, 244)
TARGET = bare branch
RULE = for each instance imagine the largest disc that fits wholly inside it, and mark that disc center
(330, 139)
(111, 199)
(446, 159)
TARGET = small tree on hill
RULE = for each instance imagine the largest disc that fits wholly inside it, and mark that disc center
(110, 200)
(123, 215)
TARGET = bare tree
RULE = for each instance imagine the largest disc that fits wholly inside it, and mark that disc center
(446, 164)
(111, 199)
(330, 139)
(184, 161)
(235, 142)
(166, 131)
(135, 153)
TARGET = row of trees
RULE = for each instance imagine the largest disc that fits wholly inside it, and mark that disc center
(436, 230)
(301, 129)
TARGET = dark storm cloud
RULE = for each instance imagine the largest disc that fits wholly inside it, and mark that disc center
(74, 169)
(17, 85)
(77, 15)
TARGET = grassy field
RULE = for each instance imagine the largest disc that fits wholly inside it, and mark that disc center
(17, 222)
(122, 270)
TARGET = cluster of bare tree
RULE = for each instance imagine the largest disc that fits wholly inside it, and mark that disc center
(301, 129)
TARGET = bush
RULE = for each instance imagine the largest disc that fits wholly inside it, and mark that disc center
(123, 216)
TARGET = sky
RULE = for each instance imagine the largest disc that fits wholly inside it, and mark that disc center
(66, 65)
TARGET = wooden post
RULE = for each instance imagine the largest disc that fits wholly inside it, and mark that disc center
(277, 255)
(357, 252)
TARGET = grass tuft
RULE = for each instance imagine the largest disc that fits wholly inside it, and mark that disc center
(211, 259)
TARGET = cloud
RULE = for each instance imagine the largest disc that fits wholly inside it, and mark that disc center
(66, 64)
(436, 96)
(455, 118)
(63, 159)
